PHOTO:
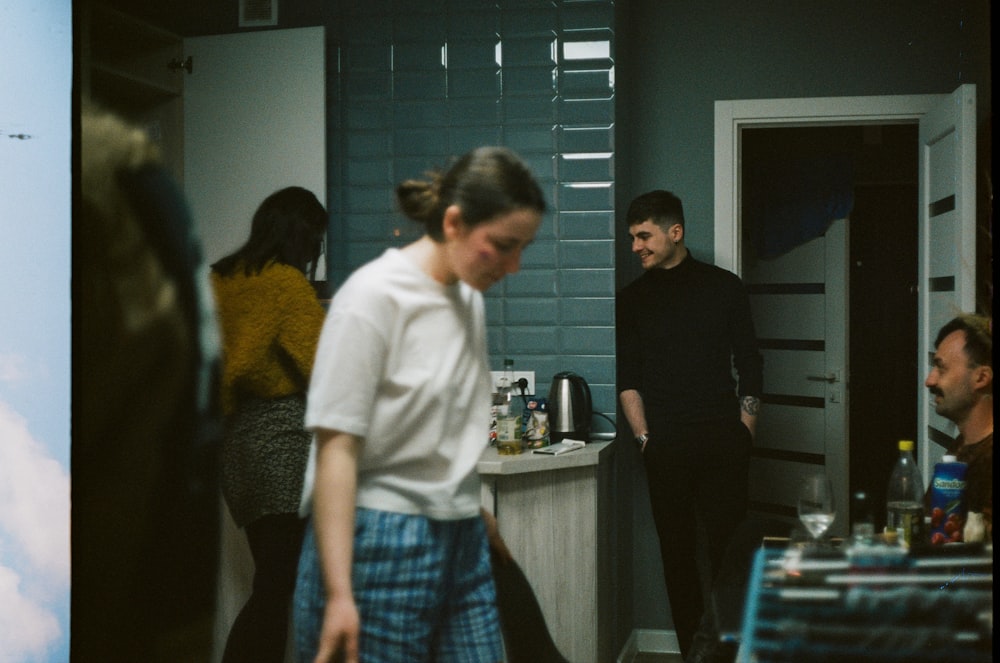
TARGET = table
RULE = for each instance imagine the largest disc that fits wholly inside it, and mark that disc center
(929, 605)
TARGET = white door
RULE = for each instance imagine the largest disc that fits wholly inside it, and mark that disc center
(946, 255)
(947, 244)
(254, 122)
(798, 302)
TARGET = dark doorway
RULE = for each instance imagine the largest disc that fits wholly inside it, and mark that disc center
(884, 378)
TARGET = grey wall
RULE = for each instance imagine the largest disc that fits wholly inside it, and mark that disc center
(675, 58)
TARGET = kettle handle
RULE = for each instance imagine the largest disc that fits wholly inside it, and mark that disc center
(586, 388)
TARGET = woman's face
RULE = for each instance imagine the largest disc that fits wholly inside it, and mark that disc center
(484, 254)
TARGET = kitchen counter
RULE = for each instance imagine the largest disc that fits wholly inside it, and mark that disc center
(492, 462)
(554, 514)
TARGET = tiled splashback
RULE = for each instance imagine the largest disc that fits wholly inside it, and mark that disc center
(420, 81)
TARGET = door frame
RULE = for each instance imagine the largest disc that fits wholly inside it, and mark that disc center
(731, 117)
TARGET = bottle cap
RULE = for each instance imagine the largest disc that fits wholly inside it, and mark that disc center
(906, 445)
(948, 458)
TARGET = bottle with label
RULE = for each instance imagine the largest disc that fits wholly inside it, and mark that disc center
(509, 430)
(948, 501)
(501, 400)
(905, 498)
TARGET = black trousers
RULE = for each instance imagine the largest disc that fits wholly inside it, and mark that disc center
(698, 476)
(260, 631)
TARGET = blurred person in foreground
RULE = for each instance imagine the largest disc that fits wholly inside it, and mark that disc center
(961, 383)
(145, 526)
(270, 319)
(395, 564)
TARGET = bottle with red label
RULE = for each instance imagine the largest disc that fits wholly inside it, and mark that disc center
(947, 501)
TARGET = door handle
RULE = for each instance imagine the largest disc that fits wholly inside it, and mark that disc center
(830, 378)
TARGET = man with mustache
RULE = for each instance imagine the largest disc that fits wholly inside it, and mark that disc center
(961, 382)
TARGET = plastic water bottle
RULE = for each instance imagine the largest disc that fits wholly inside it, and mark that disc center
(509, 431)
(500, 408)
(905, 497)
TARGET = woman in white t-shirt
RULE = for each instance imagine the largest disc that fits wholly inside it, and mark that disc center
(395, 564)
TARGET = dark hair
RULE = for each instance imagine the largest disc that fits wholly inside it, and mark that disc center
(484, 183)
(288, 228)
(664, 208)
(978, 337)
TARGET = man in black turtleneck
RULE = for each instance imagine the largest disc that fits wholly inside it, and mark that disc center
(681, 328)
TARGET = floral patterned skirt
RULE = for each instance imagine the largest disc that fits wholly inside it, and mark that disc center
(264, 455)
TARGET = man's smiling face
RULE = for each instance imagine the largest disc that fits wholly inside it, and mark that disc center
(657, 248)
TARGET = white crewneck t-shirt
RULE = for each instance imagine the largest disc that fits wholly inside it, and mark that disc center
(402, 364)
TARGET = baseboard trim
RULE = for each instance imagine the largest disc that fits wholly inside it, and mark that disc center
(646, 640)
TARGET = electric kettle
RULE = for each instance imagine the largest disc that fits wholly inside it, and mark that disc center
(570, 408)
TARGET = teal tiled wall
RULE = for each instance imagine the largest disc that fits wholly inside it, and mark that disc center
(420, 81)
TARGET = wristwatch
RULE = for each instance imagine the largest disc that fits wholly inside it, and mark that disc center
(641, 440)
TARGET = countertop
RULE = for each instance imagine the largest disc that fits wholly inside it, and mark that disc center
(492, 463)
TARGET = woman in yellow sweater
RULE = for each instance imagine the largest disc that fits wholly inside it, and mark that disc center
(270, 319)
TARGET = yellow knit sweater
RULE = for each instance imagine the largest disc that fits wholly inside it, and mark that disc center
(270, 325)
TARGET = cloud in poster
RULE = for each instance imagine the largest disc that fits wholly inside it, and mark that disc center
(34, 543)
(12, 368)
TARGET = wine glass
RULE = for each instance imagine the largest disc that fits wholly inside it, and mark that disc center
(816, 509)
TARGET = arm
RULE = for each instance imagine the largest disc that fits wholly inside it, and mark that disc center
(749, 407)
(634, 411)
(498, 547)
(333, 518)
(302, 322)
(748, 362)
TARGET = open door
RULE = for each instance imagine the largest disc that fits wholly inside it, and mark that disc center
(798, 302)
(947, 244)
(946, 271)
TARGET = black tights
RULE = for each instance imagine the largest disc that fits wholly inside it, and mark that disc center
(259, 633)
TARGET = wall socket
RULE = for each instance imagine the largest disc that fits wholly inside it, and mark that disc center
(527, 375)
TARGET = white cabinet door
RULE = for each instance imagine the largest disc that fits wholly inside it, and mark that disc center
(254, 122)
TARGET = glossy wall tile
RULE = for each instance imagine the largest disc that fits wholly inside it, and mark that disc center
(420, 81)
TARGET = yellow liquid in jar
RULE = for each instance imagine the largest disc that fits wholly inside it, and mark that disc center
(509, 448)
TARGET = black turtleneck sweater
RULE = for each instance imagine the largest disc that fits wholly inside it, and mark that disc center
(680, 332)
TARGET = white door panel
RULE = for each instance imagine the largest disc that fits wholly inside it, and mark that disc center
(789, 372)
(947, 244)
(798, 301)
(788, 316)
(255, 121)
(793, 429)
(806, 263)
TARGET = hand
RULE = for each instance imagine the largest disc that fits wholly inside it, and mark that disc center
(751, 423)
(498, 547)
(749, 409)
(340, 632)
